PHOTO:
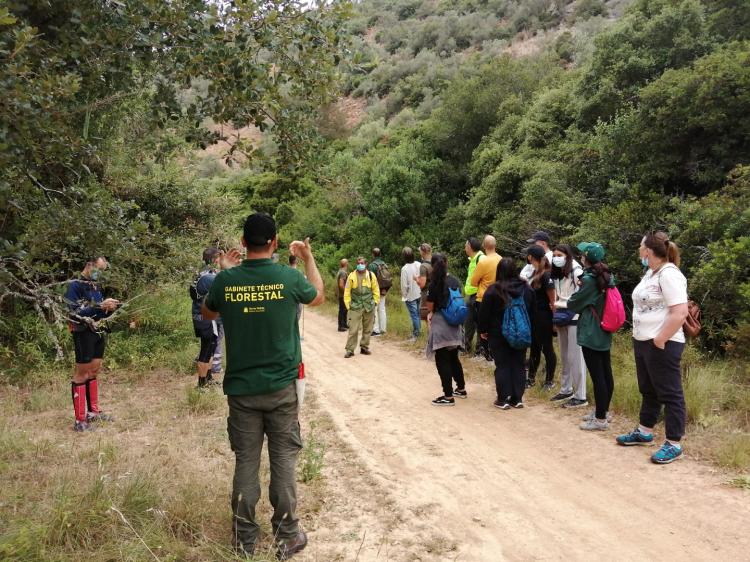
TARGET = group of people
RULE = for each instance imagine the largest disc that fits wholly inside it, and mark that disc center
(563, 294)
(256, 302)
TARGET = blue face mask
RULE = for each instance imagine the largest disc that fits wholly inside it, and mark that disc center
(644, 262)
(94, 275)
(360, 267)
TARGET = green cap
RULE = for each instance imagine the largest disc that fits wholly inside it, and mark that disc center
(592, 251)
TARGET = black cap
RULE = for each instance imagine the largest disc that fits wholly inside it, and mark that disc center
(537, 236)
(536, 252)
(259, 229)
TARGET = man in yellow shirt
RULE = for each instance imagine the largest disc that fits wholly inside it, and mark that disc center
(484, 275)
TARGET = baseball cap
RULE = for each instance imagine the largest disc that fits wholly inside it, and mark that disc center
(592, 251)
(536, 252)
(259, 229)
(537, 236)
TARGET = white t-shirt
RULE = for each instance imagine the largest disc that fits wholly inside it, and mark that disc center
(409, 289)
(528, 270)
(652, 298)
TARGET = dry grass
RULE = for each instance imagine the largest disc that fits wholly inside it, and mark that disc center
(153, 485)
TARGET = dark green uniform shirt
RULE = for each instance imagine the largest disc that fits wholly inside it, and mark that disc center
(258, 301)
(589, 297)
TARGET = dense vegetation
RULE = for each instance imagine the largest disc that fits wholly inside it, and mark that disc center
(606, 130)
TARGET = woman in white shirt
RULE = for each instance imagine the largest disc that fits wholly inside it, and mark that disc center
(659, 311)
(565, 274)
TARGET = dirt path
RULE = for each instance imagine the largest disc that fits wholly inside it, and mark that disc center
(475, 483)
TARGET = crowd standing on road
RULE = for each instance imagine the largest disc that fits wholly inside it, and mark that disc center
(499, 313)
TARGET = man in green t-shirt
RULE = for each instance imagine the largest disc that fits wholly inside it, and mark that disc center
(257, 300)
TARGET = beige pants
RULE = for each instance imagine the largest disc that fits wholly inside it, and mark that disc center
(359, 319)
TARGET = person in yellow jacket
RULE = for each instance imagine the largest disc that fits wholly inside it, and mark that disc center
(483, 276)
(361, 297)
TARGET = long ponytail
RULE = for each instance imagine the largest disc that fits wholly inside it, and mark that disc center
(662, 246)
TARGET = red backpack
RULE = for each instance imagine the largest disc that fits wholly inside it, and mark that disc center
(614, 311)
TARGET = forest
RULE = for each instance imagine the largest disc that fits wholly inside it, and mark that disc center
(382, 123)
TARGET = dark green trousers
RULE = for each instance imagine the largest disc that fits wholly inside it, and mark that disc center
(250, 418)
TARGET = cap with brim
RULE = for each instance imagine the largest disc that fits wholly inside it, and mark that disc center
(537, 236)
(592, 251)
(259, 229)
(536, 252)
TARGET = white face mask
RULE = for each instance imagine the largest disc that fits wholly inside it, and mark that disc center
(559, 261)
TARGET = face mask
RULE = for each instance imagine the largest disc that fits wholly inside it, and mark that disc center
(94, 275)
(644, 262)
(360, 267)
(558, 261)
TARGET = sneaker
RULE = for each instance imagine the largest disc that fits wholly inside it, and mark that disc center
(460, 393)
(578, 403)
(98, 416)
(530, 383)
(287, 548)
(81, 426)
(343, 329)
(561, 397)
(213, 382)
(666, 454)
(635, 437)
(443, 401)
(547, 386)
(349, 354)
(375, 334)
(501, 404)
(517, 405)
(365, 351)
(592, 414)
(594, 425)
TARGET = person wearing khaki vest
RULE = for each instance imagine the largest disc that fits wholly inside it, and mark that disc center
(361, 297)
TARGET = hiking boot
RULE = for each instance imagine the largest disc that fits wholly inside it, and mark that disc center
(81, 426)
(444, 401)
(365, 351)
(98, 416)
(460, 393)
(548, 386)
(289, 547)
(348, 354)
(666, 454)
(246, 550)
(594, 425)
(561, 397)
(592, 414)
(576, 403)
(635, 437)
(501, 404)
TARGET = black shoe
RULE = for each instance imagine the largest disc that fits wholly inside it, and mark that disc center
(375, 334)
(575, 403)
(502, 404)
(365, 351)
(349, 354)
(530, 383)
(547, 386)
(343, 329)
(443, 401)
(289, 547)
(517, 405)
(246, 550)
(561, 397)
(460, 393)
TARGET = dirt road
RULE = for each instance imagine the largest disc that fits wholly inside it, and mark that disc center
(474, 483)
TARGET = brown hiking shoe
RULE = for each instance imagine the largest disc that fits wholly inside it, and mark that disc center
(289, 547)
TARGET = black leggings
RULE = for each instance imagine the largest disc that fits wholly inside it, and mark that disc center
(208, 347)
(541, 342)
(599, 365)
(449, 368)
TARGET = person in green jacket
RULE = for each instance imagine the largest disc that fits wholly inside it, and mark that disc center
(588, 302)
(473, 248)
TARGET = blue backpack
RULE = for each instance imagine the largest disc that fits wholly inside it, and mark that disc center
(516, 328)
(456, 310)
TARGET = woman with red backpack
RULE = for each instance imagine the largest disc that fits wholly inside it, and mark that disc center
(595, 342)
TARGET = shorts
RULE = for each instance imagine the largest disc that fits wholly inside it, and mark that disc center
(88, 346)
(208, 348)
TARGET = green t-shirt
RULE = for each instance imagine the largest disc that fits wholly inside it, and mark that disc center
(258, 301)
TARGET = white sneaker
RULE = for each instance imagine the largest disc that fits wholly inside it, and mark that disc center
(594, 425)
(592, 415)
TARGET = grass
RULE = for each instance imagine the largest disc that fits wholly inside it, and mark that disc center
(311, 459)
(204, 400)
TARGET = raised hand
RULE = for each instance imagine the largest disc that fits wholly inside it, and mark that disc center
(230, 258)
(301, 249)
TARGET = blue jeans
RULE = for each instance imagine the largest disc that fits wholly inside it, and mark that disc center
(413, 308)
